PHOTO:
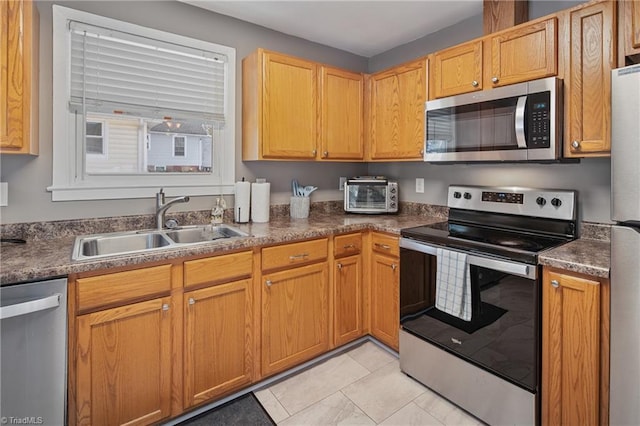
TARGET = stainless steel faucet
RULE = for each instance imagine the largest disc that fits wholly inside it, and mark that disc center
(161, 206)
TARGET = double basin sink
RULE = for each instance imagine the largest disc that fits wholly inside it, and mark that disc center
(118, 243)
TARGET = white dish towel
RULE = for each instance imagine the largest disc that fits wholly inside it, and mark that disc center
(453, 284)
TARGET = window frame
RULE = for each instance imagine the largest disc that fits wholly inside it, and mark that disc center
(104, 135)
(184, 146)
(71, 182)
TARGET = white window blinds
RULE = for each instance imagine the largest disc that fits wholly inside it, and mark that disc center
(113, 71)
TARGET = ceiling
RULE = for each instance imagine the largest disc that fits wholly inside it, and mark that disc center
(365, 28)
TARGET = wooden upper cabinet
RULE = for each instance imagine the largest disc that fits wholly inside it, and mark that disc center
(19, 34)
(527, 52)
(591, 49)
(341, 114)
(629, 32)
(396, 122)
(279, 115)
(456, 70)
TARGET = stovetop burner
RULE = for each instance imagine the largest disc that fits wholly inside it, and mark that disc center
(511, 223)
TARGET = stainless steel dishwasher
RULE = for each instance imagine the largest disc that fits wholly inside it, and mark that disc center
(33, 363)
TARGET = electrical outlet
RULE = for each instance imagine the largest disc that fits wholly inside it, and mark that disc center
(343, 180)
(420, 185)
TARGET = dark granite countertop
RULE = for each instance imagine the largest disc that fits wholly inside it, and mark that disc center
(587, 256)
(44, 258)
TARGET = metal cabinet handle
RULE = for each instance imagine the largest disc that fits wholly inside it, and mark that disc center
(340, 266)
(314, 152)
(475, 83)
(192, 301)
(165, 306)
(394, 266)
(495, 80)
(268, 283)
(30, 306)
(382, 246)
(325, 154)
(298, 256)
(349, 246)
(575, 144)
(555, 283)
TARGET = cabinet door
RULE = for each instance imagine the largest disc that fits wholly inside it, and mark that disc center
(124, 364)
(629, 31)
(18, 82)
(385, 287)
(218, 340)
(592, 56)
(526, 53)
(341, 114)
(289, 107)
(397, 112)
(457, 70)
(295, 316)
(347, 299)
(570, 350)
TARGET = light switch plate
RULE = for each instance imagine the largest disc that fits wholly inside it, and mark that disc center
(4, 194)
(420, 185)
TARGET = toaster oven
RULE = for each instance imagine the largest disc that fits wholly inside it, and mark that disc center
(370, 195)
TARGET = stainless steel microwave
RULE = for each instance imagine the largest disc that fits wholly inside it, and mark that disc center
(519, 122)
(370, 195)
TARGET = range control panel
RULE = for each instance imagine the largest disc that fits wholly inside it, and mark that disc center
(549, 203)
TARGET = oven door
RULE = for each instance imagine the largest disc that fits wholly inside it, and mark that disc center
(503, 335)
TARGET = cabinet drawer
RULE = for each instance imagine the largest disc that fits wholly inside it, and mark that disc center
(348, 244)
(294, 254)
(121, 287)
(227, 267)
(386, 244)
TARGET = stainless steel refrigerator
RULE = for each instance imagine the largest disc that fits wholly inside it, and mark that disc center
(625, 246)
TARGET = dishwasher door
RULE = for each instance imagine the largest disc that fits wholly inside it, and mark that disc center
(33, 363)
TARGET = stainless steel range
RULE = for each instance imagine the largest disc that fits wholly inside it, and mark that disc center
(470, 297)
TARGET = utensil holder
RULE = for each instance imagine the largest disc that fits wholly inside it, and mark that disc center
(299, 207)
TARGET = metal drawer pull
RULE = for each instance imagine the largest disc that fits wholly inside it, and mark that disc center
(340, 266)
(192, 301)
(165, 306)
(349, 246)
(268, 283)
(555, 283)
(394, 266)
(30, 307)
(382, 246)
(298, 256)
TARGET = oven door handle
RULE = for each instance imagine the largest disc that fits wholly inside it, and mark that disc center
(514, 268)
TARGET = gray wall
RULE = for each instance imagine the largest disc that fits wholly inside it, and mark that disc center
(591, 177)
(28, 177)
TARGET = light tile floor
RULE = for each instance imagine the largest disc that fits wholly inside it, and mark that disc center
(363, 386)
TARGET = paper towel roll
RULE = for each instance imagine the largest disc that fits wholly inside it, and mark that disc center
(241, 205)
(260, 193)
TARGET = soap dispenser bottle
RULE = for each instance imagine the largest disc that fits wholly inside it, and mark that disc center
(217, 212)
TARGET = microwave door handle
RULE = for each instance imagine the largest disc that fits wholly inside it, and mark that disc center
(521, 140)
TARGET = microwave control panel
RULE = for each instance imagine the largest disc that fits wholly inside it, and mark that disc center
(539, 120)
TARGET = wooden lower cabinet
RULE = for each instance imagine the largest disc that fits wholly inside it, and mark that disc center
(385, 299)
(218, 341)
(575, 349)
(295, 316)
(124, 364)
(347, 303)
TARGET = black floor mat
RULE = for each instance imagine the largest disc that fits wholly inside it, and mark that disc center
(244, 410)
